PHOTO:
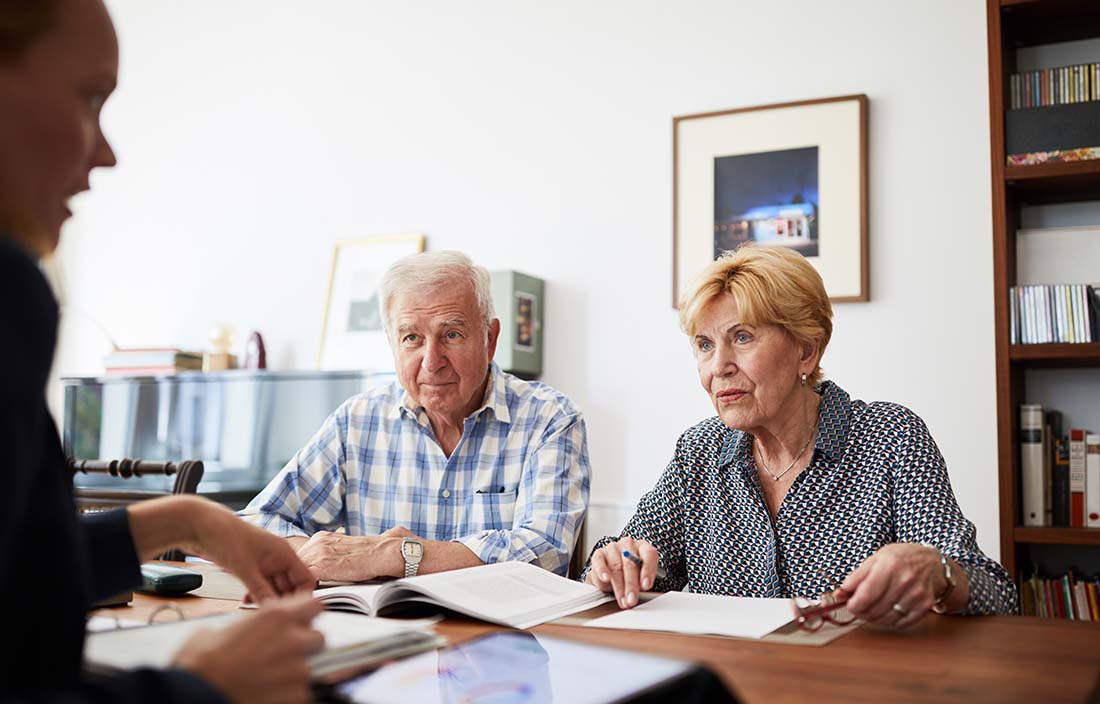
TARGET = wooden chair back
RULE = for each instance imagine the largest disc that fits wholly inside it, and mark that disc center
(188, 474)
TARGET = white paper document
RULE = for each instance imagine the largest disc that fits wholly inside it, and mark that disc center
(703, 614)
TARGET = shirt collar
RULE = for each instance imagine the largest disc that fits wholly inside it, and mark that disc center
(495, 399)
(833, 422)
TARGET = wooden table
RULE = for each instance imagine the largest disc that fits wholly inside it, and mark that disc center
(942, 659)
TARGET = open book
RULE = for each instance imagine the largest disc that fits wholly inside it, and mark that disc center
(513, 594)
(350, 641)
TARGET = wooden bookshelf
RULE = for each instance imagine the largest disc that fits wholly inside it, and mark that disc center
(1013, 24)
(1056, 355)
(1058, 536)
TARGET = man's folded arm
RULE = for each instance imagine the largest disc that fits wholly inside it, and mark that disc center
(307, 495)
(551, 503)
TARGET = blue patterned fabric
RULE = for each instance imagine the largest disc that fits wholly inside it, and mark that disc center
(515, 487)
(876, 477)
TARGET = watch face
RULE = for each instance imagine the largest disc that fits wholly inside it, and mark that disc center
(412, 549)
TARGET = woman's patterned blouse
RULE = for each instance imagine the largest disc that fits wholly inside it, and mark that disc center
(876, 477)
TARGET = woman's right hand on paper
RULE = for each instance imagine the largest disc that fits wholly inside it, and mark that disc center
(610, 571)
(262, 658)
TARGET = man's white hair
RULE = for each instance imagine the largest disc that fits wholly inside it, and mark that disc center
(427, 271)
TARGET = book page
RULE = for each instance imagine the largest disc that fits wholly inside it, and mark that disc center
(502, 591)
(682, 612)
(359, 596)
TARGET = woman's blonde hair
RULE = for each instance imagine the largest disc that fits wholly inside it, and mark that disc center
(771, 285)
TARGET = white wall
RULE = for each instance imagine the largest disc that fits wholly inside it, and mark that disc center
(252, 134)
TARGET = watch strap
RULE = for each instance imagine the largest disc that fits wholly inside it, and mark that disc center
(941, 599)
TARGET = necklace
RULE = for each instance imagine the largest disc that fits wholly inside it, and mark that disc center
(777, 477)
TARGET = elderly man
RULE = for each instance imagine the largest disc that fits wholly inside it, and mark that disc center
(456, 464)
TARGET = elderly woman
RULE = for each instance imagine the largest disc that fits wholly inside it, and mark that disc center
(58, 62)
(795, 489)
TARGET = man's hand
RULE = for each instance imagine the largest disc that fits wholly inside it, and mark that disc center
(355, 558)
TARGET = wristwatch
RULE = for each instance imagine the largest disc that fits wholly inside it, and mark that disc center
(413, 552)
(939, 605)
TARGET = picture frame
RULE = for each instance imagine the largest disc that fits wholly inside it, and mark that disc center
(789, 174)
(353, 335)
(526, 313)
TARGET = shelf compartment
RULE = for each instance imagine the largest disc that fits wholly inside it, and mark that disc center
(1058, 182)
(1058, 536)
(1050, 128)
(1032, 22)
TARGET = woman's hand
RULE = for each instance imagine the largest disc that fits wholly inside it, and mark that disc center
(610, 571)
(898, 584)
(266, 563)
(262, 658)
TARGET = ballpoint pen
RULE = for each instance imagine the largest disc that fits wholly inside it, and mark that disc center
(661, 574)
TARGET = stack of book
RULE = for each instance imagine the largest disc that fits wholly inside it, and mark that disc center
(1055, 86)
(1059, 475)
(1071, 598)
(151, 361)
(1053, 313)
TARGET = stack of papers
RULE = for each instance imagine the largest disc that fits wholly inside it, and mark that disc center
(350, 640)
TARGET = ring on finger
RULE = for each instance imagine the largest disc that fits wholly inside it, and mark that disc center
(899, 609)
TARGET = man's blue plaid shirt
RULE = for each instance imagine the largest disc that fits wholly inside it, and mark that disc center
(515, 487)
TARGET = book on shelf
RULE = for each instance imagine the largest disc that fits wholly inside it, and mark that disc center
(1053, 313)
(351, 640)
(1077, 478)
(1033, 486)
(515, 594)
(1061, 85)
(1071, 596)
(1092, 480)
(1059, 481)
(151, 361)
(1045, 495)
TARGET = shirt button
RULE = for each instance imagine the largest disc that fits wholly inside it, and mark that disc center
(446, 493)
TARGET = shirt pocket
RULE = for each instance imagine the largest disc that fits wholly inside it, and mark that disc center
(492, 508)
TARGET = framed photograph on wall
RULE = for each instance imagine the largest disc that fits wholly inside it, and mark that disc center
(525, 314)
(786, 175)
(352, 332)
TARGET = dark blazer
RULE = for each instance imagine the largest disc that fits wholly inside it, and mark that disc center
(52, 566)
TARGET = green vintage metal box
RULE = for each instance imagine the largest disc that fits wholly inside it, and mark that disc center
(518, 299)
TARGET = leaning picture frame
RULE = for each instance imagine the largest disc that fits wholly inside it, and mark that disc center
(790, 174)
(353, 336)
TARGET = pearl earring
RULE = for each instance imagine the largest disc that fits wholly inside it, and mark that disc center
(803, 378)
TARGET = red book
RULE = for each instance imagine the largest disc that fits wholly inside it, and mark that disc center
(1077, 478)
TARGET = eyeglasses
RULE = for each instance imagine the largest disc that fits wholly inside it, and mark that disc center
(812, 614)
